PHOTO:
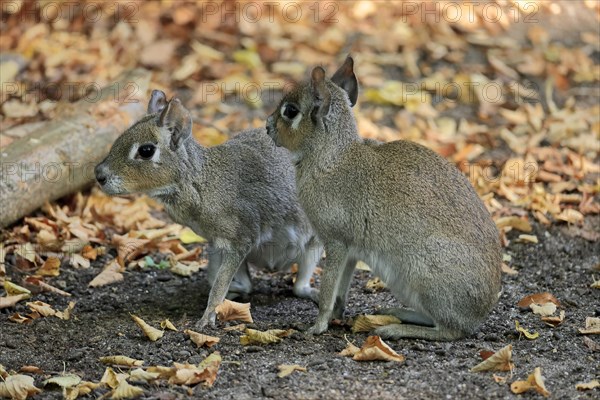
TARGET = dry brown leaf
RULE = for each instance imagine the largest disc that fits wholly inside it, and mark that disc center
(545, 310)
(366, 323)
(166, 324)
(78, 261)
(109, 274)
(10, 301)
(152, 333)
(588, 385)
(528, 239)
(534, 381)
(554, 321)
(31, 369)
(18, 387)
(51, 267)
(89, 252)
(375, 349)
(206, 371)
(253, 336)
(538, 298)
(590, 344)
(230, 310)
(139, 375)
(238, 328)
(20, 319)
(83, 389)
(64, 381)
(201, 339)
(498, 361)
(124, 390)
(121, 360)
(592, 326)
(110, 378)
(36, 281)
(571, 216)
(375, 285)
(285, 369)
(350, 350)
(514, 222)
(44, 309)
(509, 270)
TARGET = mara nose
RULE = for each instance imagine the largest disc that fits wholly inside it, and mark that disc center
(101, 174)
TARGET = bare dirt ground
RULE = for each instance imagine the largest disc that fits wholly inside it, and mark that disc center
(560, 263)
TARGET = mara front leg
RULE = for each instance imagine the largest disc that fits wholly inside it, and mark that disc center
(335, 263)
(231, 259)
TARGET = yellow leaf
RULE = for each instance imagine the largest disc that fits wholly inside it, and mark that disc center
(166, 324)
(18, 387)
(248, 58)
(12, 289)
(230, 310)
(499, 361)
(534, 381)
(525, 332)
(253, 336)
(51, 267)
(84, 388)
(201, 339)
(285, 369)
(210, 366)
(109, 274)
(121, 360)
(571, 216)
(588, 386)
(514, 222)
(182, 269)
(188, 236)
(206, 371)
(152, 333)
(366, 323)
(528, 239)
(376, 349)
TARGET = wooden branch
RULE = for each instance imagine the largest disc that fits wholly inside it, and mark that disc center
(58, 157)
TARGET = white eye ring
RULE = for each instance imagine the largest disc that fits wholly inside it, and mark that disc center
(296, 118)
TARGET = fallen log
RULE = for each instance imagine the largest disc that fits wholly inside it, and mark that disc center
(57, 158)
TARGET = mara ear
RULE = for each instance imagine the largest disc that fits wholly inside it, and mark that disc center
(158, 101)
(178, 121)
(345, 78)
(320, 93)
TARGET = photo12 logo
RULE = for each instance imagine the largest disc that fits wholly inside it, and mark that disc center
(259, 11)
(51, 11)
(470, 11)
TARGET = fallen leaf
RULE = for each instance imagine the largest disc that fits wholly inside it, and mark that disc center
(152, 333)
(31, 369)
(285, 369)
(350, 350)
(238, 328)
(12, 289)
(166, 324)
(571, 216)
(534, 381)
(253, 336)
(202, 340)
(499, 379)
(10, 301)
(126, 391)
(375, 285)
(554, 321)
(210, 366)
(588, 385)
(89, 252)
(528, 335)
(544, 310)
(79, 261)
(538, 298)
(51, 267)
(109, 274)
(590, 344)
(514, 222)
(528, 239)
(121, 360)
(64, 381)
(44, 309)
(182, 269)
(592, 326)
(376, 349)
(230, 310)
(110, 378)
(188, 236)
(206, 371)
(36, 281)
(366, 323)
(18, 387)
(19, 319)
(84, 388)
(139, 375)
(499, 361)
(509, 270)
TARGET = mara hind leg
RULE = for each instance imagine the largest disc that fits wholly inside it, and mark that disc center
(408, 316)
(344, 287)
(407, 331)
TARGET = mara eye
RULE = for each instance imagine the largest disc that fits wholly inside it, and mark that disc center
(146, 151)
(290, 111)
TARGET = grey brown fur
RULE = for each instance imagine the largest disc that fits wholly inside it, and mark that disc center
(398, 206)
(239, 195)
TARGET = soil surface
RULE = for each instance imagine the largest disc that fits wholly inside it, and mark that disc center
(561, 264)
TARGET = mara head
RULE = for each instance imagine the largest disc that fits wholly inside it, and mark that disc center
(145, 158)
(319, 107)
